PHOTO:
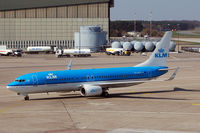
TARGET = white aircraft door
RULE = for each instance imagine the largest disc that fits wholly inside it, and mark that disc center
(35, 80)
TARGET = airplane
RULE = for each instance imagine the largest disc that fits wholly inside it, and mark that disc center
(96, 82)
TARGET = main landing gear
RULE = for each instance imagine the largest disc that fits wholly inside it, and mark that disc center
(105, 92)
(26, 98)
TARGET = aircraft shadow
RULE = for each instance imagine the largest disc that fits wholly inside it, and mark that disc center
(62, 96)
(127, 95)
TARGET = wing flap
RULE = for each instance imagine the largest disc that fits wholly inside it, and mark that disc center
(117, 83)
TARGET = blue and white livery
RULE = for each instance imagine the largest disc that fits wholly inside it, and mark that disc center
(95, 82)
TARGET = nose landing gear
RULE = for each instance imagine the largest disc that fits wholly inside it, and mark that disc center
(26, 97)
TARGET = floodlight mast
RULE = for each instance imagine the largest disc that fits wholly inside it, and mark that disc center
(151, 14)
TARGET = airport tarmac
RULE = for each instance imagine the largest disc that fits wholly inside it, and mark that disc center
(172, 106)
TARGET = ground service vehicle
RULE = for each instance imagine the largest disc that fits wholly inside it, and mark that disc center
(73, 52)
(118, 51)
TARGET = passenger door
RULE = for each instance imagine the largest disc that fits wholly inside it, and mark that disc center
(150, 74)
(35, 80)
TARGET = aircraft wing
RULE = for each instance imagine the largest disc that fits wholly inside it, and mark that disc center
(132, 82)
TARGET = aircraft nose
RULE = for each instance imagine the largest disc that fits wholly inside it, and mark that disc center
(11, 86)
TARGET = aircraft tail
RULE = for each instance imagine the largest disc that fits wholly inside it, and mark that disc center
(160, 54)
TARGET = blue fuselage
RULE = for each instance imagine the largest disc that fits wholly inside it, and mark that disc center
(88, 75)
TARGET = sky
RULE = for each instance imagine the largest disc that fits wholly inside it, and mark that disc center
(161, 9)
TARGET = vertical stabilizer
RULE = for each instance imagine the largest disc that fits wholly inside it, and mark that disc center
(160, 54)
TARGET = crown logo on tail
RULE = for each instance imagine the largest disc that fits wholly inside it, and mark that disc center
(161, 54)
(161, 50)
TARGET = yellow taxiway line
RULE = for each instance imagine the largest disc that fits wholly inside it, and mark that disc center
(196, 104)
(4, 109)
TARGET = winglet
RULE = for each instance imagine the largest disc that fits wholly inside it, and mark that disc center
(173, 75)
(69, 65)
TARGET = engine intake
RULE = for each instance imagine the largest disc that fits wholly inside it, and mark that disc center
(89, 90)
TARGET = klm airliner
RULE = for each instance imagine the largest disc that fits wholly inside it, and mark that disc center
(96, 82)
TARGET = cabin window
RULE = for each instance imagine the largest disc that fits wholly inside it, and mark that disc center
(22, 80)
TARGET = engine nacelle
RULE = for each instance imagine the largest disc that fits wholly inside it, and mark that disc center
(89, 90)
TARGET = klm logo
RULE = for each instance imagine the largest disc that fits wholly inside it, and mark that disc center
(51, 76)
(93, 91)
(161, 54)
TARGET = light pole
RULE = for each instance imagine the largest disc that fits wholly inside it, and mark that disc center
(169, 27)
(135, 23)
(151, 14)
(178, 35)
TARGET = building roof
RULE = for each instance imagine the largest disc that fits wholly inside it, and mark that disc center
(26, 4)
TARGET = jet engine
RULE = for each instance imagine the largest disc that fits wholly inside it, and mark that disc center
(89, 90)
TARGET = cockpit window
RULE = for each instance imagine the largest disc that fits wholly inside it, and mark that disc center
(22, 80)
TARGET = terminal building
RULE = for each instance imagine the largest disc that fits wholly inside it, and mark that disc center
(26, 23)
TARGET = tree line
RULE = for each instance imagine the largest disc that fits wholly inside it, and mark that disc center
(120, 28)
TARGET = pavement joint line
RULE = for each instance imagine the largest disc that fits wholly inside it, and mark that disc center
(97, 111)
(124, 130)
(68, 113)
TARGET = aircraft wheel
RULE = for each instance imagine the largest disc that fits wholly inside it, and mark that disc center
(105, 94)
(26, 98)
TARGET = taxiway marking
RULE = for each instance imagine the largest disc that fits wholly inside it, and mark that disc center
(5, 109)
(9, 107)
(196, 104)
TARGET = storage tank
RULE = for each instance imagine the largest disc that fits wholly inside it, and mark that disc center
(127, 46)
(133, 42)
(172, 46)
(122, 42)
(116, 45)
(149, 46)
(138, 46)
(76, 40)
(91, 37)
